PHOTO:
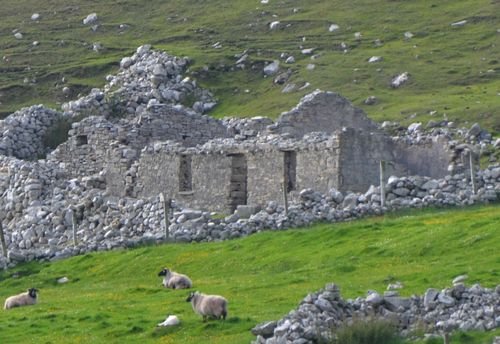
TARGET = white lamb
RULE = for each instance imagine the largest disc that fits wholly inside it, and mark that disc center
(174, 280)
(213, 306)
(23, 299)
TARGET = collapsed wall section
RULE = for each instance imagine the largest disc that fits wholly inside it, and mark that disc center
(89, 140)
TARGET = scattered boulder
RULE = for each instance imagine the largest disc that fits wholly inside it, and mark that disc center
(272, 68)
(371, 100)
(400, 80)
(90, 19)
(274, 25)
(459, 23)
(374, 59)
(333, 28)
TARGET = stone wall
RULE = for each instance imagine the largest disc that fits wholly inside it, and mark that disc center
(317, 168)
(427, 159)
(22, 133)
(225, 172)
(159, 171)
(265, 176)
(360, 155)
(322, 112)
(89, 141)
(85, 151)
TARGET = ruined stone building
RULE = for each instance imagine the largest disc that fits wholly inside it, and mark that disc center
(322, 143)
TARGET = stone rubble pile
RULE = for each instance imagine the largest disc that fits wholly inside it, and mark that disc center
(37, 210)
(311, 206)
(22, 133)
(244, 128)
(147, 77)
(437, 311)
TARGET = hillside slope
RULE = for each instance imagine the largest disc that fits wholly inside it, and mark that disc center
(116, 296)
(453, 70)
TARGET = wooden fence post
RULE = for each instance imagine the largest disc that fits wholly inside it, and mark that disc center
(382, 183)
(446, 338)
(167, 204)
(2, 239)
(472, 173)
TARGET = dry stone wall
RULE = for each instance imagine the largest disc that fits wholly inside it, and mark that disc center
(430, 158)
(360, 156)
(322, 313)
(322, 112)
(22, 133)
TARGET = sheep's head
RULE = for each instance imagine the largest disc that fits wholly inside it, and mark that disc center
(164, 272)
(191, 296)
(32, 292)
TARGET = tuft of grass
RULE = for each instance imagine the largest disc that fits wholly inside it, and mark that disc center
(372, 331)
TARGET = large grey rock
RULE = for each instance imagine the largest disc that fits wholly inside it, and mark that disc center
(265, 329)
(430, 296)
(90, 19)
(16, 256)
(459, 279)
(245, 211)
(400, 80)
(272, 68)
(474, 130)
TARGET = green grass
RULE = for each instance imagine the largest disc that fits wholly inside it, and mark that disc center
(454, 71)
(116, 296)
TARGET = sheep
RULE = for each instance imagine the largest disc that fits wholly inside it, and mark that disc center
(213, 306)
(23, 299)
(174, 280)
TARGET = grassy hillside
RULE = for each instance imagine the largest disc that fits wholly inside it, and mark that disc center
(454, 70)
(116, 296)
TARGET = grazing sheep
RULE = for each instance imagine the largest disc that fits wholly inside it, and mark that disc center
(23, 299)
(174, 280)
(213, 306)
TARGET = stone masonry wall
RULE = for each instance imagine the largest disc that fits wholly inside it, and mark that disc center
(213, 184)
(322, 112)
(360, 156)
(265, 176)
(86, 150)
(428, 159)
(158, 171)
(317, 168)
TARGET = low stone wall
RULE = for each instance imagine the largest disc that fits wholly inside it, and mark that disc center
(320, 314)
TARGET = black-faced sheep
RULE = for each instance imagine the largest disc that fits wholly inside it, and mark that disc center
(174, 280)
(23, 299)
(213, 306)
